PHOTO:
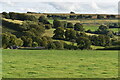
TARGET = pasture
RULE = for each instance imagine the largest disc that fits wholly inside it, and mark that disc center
(90, 21)
(60, 64)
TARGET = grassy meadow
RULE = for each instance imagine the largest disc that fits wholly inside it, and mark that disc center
(90, 21)
(60, 64)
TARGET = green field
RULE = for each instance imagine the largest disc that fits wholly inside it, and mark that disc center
(91, 21)
(115, 29)
(60, 64)
(91, 27)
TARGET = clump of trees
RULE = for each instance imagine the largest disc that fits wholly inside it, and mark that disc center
(73, 36)
(19, 16)
(70, 34)
(45, 22)
(9, 40)
(104, 29)
(55, 45)
(83, 43)
(101, 40)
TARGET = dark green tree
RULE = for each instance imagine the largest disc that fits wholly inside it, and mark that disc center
(83, 43)
(48, 26)
(59, 33)
(5, 15)
(27, 41)
(78, 27)
(57, 24)
(72, 12)
(13, 15)
(70, 25)
(43, 19)
(103, 27)
(70, 34)
(51, 45)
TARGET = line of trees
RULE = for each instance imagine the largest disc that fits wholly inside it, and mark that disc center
(18, 16)
(72, 16)
(9, 40)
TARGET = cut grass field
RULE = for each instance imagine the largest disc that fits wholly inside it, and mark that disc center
(60, 64)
